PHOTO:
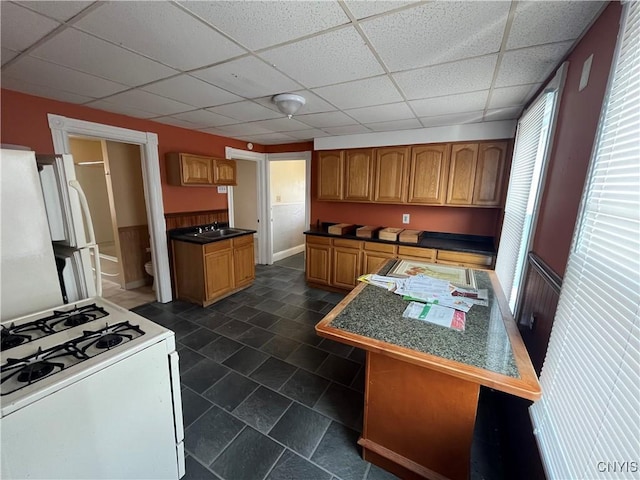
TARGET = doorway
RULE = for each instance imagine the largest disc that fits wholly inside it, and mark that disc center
(245, 195)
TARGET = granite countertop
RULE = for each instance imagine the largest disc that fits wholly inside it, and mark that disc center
(376, 314)
(186, 234)
(443, 241)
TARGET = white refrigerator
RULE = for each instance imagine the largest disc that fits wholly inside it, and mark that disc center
(46, 235)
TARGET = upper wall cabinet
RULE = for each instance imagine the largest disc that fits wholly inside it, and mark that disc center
(185, 169)
(358, 175)
(390, 166)
(428, 174)
(330, 164)
(490, 182)
(464, 160)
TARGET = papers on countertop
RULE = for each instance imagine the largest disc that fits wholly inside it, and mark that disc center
(436, 314)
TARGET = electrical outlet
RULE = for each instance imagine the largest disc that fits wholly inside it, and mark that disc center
(405, 218)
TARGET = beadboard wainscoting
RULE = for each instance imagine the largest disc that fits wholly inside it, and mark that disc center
(190, 219)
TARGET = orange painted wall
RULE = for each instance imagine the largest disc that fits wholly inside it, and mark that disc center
(573, 142)
(24, 122)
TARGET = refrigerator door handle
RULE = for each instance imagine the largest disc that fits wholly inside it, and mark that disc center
(92, 236)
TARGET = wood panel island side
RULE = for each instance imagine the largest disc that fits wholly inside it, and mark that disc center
(423, 380)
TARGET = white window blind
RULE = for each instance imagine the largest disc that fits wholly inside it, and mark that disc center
(528, 156)
(587, 422)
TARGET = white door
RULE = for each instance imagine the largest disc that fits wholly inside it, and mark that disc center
(245, 198)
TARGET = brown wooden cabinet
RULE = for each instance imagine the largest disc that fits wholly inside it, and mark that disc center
(462, 173)
(218, 270)
(318, 260)
(185, 169)
(464, 259)
(358, 175)
(243, 261)
(429, 170)
(489, 180)
(347, 259)
(416, 253)
(330, 166)
(375, 254)
(390, 174)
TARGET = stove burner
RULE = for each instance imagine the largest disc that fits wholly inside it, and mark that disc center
(35, 371)
(11, 340)
(109, 340)
(77, 319)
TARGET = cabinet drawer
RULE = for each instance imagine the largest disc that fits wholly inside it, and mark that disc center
(244, 240)
(458, 258)
(318, 240)
(380, 247)
(341, 242)
(217, 246)
(426, 253)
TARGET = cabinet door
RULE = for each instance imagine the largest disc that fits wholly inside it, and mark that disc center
(429, 170)
(489, 182)
(243, 261)
(224, 172)
(390, 174)
(346, 267)
(318, 262)
(219, 273)
(330, 175)
(371, 261)
(196, 170)
(462, 174)
(358, 175)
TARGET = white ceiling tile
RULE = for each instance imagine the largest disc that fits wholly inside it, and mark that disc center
(20, 28)
(314, 104)
(326, 119)
(334, 57)
(192, 91)
(361, 93)
(308, 134)
(205, 118)
(176, 122)
(122, 109)
(245, 111)
(464, 102)
(43, 91)
(83, 52)
(282, 124)
(367, 8)
(162, 31)
(148, 102)
(347, 130)
(530, 65)
(457, 77)
(7, 55)
(510, 113)
(438, 32)
(247, 77)
(453, 119)
(541, 22)
(408, 124)
(244, 129)
(268, 138)
(262, 24)
(380, 113)
(62, 11)
(39, 72)
(510, 96)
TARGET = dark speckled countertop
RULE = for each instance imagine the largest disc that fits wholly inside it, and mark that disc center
(377, 314)
(438, 240)
(186, 234)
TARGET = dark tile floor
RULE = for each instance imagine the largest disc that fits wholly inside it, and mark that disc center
(265, 398)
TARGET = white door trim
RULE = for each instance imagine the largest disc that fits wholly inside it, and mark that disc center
(271, 157)
(61, 127)
(237, 154)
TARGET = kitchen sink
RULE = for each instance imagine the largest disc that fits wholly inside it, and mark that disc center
(222, 232)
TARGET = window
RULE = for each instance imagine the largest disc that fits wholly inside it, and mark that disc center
(587, 423)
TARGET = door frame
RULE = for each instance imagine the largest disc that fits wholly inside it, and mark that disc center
(62, 127)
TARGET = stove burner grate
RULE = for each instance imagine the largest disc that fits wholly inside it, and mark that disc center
(35, 371)
(109, 340)
(77, 319)
(10, 340)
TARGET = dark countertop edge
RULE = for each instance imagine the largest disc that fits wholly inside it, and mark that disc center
(180, 234)
(447, 241)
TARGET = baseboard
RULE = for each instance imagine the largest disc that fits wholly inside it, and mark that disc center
(135, 284)
(288, 252)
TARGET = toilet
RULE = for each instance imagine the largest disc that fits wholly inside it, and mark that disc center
(148, 267)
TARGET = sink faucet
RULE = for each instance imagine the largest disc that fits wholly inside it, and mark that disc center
(215, 225)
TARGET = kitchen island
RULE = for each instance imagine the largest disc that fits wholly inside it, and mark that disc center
(423, 380)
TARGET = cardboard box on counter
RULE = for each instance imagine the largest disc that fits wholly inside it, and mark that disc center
(341, 229)
(410, 236)
(367, 231)
(389, 233)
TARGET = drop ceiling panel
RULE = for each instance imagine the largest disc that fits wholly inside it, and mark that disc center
(438, 32)
(205, 118)
(39, 72)
(7, 55)
(21, 28)
(510, 96)
(314, 104)
(347, 130)
(268, 138)
(43, 91)
(148, 102)
(453, 119)
(62, 11)
(361, 93)
(162, 31)
(464, 102)
(271, 22)
(247, 77)
(530, 65)
(246, 111)
(176, 122)
(244, 129)
(192, 91)
(509, 113)
(120, 108)
(367, 8)
(88, 54)
(307, 134)
(326, 119)
(380, 113)
(556, 22)
(333, 57)
(282, 124)
(457, 77)
(407, 124)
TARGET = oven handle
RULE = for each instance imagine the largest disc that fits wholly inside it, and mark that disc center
(92, 236)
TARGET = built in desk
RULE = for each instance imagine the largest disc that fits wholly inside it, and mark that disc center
(423, 380)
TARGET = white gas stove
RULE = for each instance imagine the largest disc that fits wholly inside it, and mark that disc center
(96, 380)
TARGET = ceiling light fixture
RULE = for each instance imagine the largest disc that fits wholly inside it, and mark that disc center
(289, 103)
